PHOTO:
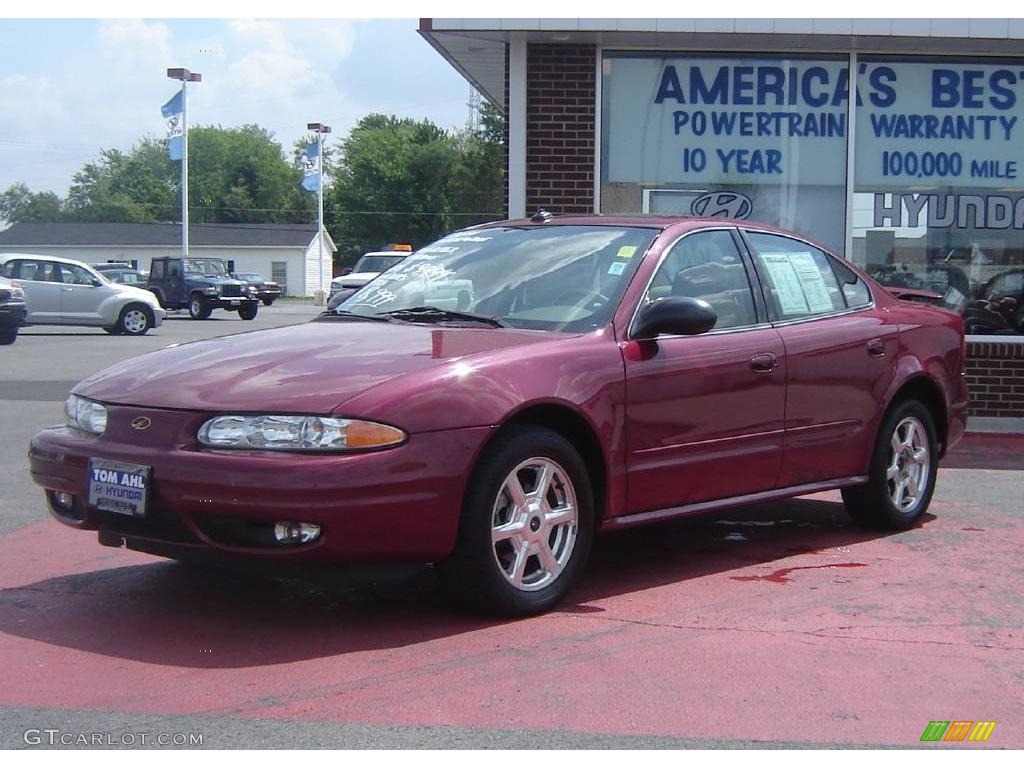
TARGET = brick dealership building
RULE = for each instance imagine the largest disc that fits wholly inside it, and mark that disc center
(919, 178)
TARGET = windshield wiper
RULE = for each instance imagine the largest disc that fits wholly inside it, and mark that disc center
(344, 314)
(436, 313)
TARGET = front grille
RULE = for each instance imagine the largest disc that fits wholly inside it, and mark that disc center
(231, 290)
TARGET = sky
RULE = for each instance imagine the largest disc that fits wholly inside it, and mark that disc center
(71, 87)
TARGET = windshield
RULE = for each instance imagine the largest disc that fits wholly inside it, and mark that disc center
(250, 276)
(547, 277)
(376, 263)
(205, 267)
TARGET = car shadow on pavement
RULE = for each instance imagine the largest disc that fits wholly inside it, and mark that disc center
(166, 613)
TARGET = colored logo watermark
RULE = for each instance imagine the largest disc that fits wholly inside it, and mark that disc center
(958, 730)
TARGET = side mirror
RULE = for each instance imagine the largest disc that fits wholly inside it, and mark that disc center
(674, 315)
(96, 283)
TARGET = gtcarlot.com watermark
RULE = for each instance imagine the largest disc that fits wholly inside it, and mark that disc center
(54, 737)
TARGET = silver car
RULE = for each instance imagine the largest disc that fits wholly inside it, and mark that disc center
(62, 291)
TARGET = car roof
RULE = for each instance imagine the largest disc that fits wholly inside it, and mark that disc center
(386, 253)
(8, 256)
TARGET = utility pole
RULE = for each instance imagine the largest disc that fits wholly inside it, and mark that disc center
(185, 77)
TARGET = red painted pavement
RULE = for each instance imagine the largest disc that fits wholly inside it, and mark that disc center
(678, 630)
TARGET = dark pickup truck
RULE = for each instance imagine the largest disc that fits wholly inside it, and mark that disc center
(200, 285)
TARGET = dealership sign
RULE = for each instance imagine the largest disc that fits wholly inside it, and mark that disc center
(784, 121)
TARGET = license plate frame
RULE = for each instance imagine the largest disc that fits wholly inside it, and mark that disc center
(118, 487)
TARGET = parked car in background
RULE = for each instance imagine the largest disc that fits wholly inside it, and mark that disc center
(61, 291)
(125, 274)
(592, 373)
(368, 267)
(267, 291)
(200, 285)
(12, 310)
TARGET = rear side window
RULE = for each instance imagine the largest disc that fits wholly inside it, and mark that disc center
(855, 290)
(157, 269)
(41, 271)
(798, 278)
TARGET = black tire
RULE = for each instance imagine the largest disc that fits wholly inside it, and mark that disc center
(249, 311)
(477, 571)
(198, 307)
(113, 330)
(135, 320)
(8, 335)
(267, 302)
(873, 505)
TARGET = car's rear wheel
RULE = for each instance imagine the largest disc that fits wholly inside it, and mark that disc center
(8, 335)
(249, 311)
(527, 525)
(198, 307)
(135, 320)
(902, 472)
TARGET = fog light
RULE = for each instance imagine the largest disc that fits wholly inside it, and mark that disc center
(296, 533)
(64, 500)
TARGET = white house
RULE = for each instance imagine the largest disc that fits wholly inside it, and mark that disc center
(287, 253)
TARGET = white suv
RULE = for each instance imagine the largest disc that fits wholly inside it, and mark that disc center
(62, 291)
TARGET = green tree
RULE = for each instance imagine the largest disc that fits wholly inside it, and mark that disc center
(136, 186)
(478, 183)
(19, 203)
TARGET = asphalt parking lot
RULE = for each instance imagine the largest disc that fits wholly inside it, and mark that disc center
(775, 625)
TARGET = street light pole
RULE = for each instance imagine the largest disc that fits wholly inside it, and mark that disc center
(320, 129)
(185, 77)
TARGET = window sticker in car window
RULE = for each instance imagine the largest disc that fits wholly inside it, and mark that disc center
(626, 252)
(811, 281)
(787, 284)
(617, 268)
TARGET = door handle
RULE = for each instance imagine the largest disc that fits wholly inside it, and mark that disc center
(876, 348)
(763, 363)
(67, 290)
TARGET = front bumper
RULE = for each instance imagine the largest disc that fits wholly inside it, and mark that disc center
(233, 303)
(12, 315)
(400, 504)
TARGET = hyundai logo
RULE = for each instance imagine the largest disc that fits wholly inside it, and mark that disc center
(141, 422)
(729, 205)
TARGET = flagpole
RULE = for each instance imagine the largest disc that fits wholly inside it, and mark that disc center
(320, 205)
(185, 77)
(320, 129)
(184, 169)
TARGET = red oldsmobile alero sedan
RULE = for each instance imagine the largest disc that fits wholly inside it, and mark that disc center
(501, 395)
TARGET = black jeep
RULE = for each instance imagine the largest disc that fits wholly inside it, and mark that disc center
(200, 285)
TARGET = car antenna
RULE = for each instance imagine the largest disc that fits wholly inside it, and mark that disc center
(541, 216)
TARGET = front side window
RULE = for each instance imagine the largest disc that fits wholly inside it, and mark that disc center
(75, 275)
(547, 277)
(706, 265)
(797, 277)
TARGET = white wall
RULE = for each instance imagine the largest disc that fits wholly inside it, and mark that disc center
(311, 272)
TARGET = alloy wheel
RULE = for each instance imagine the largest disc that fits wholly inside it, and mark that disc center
(908, 469)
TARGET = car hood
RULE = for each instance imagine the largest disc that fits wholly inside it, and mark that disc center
(355, 279)
(310, 368)
(130, 291)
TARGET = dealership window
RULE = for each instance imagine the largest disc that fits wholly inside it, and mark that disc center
(760, 138)
(939, 184)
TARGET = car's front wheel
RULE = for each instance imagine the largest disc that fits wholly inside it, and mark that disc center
(901, 477)
(249, 311)
(527, 525)
(267, 302)
(135, 320)
(8, 335)
(198, 307)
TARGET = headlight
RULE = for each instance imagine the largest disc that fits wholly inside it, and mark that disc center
(211, 290)
(297, 433)
(251, 290)
(85, 415)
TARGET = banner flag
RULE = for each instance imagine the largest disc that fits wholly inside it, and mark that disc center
(172, 111)
(311, 168)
